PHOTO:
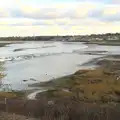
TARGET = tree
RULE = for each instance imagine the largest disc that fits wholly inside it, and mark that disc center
(1, 71)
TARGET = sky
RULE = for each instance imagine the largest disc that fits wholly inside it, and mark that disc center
(59, 17)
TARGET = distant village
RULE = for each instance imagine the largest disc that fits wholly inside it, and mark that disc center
(111, 37)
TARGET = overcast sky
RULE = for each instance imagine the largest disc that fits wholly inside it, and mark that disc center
(62, 17)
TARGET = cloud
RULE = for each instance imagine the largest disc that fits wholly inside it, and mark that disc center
(24, 22)
(107, 13)
(111, 13)
(51, 17)
(72, 10)
(115, 2)
(4, 13)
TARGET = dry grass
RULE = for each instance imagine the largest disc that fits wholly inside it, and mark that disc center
(7, 95)
(92, 85)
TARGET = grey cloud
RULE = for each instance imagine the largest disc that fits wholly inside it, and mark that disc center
(95, 13)
(34, 23)
(111, 18)
(46, 13)
(115, 2)
(55, 13)
(99, 15)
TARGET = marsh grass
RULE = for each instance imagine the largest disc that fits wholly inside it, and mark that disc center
(93, 85)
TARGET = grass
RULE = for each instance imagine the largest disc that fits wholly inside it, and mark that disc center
(7, 95)
(89, 85)
(13, 94)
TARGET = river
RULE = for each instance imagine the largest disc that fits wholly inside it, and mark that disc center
(31, 62)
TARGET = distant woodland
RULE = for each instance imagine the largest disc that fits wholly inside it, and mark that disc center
(92, 37)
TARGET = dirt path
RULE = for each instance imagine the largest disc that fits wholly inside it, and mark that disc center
(32, 96)
(7, 116)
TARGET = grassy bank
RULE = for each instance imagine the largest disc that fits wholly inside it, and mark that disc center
(13, 94)
(99, 85)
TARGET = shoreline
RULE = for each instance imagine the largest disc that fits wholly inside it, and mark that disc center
(89, 93)
(65, 85)
(52, 83)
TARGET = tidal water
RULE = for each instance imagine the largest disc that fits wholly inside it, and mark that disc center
(33, 62)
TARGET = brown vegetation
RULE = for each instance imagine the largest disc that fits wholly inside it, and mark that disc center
(85, 95)
(99, 85)
(62, 109)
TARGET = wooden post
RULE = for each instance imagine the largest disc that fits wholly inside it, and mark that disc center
(14, 116)
(6, 107)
